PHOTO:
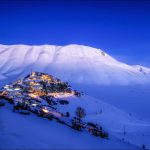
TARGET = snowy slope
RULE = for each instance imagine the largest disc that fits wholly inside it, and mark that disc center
(74, 63)
(143, 69)
(16, 128)
(120, 90)
(112, 119)
(30, 132)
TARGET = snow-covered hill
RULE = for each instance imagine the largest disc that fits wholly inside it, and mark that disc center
(31, 132)
(120, 90)
(73, 63)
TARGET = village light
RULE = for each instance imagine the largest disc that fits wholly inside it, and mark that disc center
(45, 110)
(33, 74)
(32, 83)
(3, 93)
(33, 95)
(55, 114)
(61, 94)
(45, 78)
(6, 86)
(34, 104)
(17, 89)
(10, 90)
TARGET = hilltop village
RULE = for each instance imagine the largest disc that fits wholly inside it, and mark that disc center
(41, 94)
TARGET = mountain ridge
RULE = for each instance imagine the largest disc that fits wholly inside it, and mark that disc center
(73, 63)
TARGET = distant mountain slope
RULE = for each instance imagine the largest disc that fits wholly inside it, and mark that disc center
(74, 63)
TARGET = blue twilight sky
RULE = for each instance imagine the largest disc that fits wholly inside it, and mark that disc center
(121, 28)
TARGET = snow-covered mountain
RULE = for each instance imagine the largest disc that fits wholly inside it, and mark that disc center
(73, 63)
(120, 90)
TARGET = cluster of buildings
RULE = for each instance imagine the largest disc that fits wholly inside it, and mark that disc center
(37, 91)
(41, 93)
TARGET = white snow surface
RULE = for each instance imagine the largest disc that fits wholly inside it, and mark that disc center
(121, 91)
(32, 132)
(74, 63)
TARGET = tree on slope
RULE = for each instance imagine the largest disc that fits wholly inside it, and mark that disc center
(80, 112)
